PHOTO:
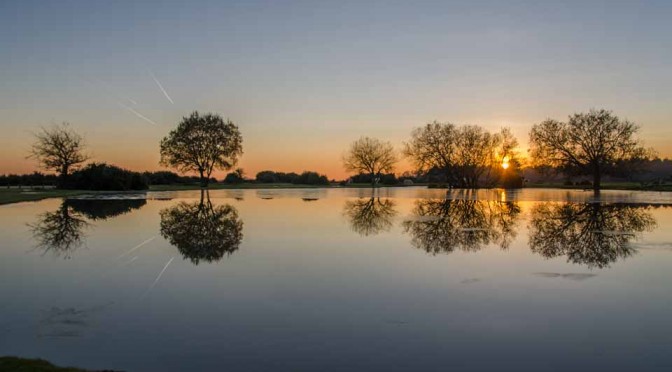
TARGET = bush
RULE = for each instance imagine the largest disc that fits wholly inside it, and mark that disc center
(233, 177)
(311, 178)
(101, 176)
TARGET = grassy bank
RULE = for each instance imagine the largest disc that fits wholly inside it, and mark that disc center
(15, 195)
(33, 365)
(634, 186)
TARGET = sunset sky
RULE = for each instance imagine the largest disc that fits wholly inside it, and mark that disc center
(303, 79)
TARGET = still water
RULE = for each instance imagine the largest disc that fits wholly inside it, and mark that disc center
(402, 279)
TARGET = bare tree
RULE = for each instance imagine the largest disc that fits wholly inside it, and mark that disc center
(370, 155)
(202, 144)
(593, 143)
(466, 155)
(59, 148)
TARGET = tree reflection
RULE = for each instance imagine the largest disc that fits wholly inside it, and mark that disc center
(62, 231)
(588, 233)
(102, 209)
(201, 231)
(445, 225)
(370, 216)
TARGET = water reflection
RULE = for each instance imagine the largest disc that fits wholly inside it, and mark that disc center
(62, 231)
(202, 231)
(370, 216)
(587, 233)
(102, 209)
(445, 225)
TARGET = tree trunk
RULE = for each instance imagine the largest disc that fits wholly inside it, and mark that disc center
(204, 180)
(597, 176)
(63, 177)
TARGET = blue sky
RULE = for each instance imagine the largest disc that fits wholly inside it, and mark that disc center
(303, 79)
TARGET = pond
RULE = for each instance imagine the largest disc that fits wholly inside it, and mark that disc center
(393, 279)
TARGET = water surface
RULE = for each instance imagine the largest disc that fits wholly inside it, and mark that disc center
(341, 280)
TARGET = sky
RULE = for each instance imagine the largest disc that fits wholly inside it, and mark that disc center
(303, 79)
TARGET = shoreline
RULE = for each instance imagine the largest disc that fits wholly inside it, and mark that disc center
(19, 195)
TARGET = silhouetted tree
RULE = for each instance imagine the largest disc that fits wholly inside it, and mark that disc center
(101, 176)
(202, 144)
(59, 148)
(593, 143)
(201, 231)
(370, 216)
(444, 225)
(468, 155)
(587, 233)
(60, 232)
(371, 156)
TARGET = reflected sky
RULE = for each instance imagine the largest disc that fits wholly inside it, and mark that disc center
(340, 279)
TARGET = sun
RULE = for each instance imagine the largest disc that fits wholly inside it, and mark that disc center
(505, 162)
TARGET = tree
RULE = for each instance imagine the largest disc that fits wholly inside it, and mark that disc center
(593, 143)
(467, 155)
(370, 155)
(59, 148)
(202, 144)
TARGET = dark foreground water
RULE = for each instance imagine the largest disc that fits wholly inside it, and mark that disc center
(341, 280)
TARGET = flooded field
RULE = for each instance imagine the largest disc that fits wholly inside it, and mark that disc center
(341, 279)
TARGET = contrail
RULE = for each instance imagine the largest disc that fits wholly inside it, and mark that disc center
(141, 116)
(158, 277)
(136, 247)
(161, 87)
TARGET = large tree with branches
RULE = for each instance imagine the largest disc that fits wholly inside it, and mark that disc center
(370, 156)
(202, 143)
(593, 143)
(59, 148)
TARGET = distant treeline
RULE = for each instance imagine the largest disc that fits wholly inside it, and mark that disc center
(649, 171)
(305, 178)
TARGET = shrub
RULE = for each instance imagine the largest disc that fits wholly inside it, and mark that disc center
(101, 176)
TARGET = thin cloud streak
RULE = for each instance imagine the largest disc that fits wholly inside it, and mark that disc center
(161, 87)
(141, 116)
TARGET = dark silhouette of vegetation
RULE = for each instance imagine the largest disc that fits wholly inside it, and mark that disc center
(16, 364)
(370, 156)
(446, 225)
(101, 176)
(60, 149)
(35, 179)
(592, 234)
(202, 231)
(370, 216)
(593, 143)
(60, 231)
(202, 144)
(468, 156)
(305, 178)
(170, 178)
(387, 179)
(102, 209)
(235, 177)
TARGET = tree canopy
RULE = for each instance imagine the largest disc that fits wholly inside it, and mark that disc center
(593, 143)
(60, 149)
(371, 156)
(467, 155)
(202, 143)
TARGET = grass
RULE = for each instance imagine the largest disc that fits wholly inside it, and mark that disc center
(635, 186)
(15, 195)
(33, 365)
